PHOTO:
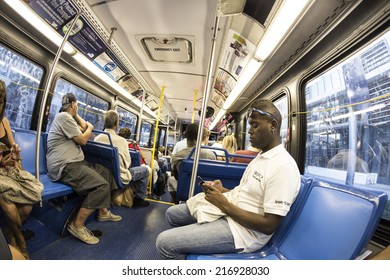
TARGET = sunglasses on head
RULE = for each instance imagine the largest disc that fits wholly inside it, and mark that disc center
(251, 110)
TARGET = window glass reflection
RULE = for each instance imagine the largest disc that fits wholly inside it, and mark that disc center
(22, 79)
(91, 107)
(348, 120)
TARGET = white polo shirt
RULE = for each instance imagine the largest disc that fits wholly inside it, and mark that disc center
(270, 184)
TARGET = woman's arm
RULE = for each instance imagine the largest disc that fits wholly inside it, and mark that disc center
(15, 149)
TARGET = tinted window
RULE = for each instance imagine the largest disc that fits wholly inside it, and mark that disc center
(22, 78)
(146, 129)
(348, 120)
(91, 107)
(127, 119)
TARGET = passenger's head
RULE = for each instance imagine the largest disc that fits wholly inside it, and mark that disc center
(206, 135)
(192, 134)
(264, 120)
(161, 149)
(125, 132)
(3, 99)
(111, 119)
(69, 104)
(229, 143)
(220, 139)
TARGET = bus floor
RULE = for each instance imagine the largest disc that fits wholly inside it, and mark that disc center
(133, 238)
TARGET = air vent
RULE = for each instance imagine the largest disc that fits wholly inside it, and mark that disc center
(168, 49)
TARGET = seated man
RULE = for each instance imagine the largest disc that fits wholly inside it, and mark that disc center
(139, 176)
(252, 211)
(65, 163)
(192, 134)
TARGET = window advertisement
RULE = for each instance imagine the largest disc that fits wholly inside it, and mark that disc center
(84, 38)
(54, 12)
(22, 79)
(91, 108)
(236, 55)
(127, 119)
(110, 65)
(348, 120)
(59, 14)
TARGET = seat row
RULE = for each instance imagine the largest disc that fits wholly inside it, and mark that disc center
(229, 173)
(104, 154)
(327, 221)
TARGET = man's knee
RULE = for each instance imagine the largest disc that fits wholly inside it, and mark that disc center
(164, 244)
(170, 216)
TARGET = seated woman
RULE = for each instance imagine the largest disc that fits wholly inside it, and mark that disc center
(229, 143)
(19, 189)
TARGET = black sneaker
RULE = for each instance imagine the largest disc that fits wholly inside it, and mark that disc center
(28, 234)
(139, 203)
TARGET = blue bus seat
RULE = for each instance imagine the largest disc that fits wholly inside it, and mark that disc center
(135, 157)
(106, 155)
(279, 233)
(229, 173)
(26, 139)
(331, 222)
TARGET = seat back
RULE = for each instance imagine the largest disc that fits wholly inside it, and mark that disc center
(335, 222)
(326, 222)
(135, 158)
(279, 233)
(229, 173)
(104, 154)
(27, 139)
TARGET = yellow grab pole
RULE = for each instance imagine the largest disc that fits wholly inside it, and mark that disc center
(193, 112)
(155, 139)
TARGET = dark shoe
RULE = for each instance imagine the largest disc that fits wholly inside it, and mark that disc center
(28, 234)
(139, 203)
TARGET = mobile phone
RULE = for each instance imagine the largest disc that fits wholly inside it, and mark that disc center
(201, 180)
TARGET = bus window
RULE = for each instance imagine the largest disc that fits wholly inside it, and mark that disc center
(91, 107)
(282, 105)
(161, 141)
(348, 120)
(127, 119)
(22, 79)
(171, 140)
(145, 134)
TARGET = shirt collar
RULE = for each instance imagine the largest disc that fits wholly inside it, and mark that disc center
(273, 152)
(109, 130)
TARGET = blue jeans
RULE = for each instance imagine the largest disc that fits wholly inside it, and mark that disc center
(191, 238)
(140, 179)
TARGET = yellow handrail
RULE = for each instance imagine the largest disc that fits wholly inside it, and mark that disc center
(155, 140)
